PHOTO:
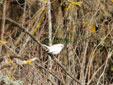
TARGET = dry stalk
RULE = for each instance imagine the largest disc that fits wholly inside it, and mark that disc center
(50, 33)
(3, 22)
(109, 55)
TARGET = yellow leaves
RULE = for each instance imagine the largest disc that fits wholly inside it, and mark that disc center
(46, 0)
(77, 3)
(84, 23)
(43, 8)
(93, 29)
(7, 56)
(29, 61)
(92, 54)
(42, 18)
(9, 62)
(106, 13)
(69, 7)
(72, 4)
(8, 74)
(36, 28)
(111, 68)
(2, 42)
(111, 0)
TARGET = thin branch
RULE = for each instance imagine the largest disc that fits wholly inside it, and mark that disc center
(109, 55)
(54, 59)
(51, 73)
(3, 22)
(93, 52)
(50, 33)
(95, 73)
(49, 21)
(24, 29)
(38, 42)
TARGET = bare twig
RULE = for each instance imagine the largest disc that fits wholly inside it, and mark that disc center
(50, 23)
(109, 55)
(95, 73)
(92, 55)
(50, 33)
(51, 73)
(24, 29)
(38, 42)
(54, 59)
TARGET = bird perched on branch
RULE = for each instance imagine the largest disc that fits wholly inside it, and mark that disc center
(54, 49)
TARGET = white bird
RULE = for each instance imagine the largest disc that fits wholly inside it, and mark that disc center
(54, 49)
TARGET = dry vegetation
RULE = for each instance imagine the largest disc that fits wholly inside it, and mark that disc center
(83, 26)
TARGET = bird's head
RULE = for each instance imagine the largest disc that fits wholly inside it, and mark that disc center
(61, 45)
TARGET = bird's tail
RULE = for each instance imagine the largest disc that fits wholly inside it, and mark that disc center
(45, 47)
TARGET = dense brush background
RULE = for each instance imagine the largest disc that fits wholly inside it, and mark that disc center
(83, 26)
